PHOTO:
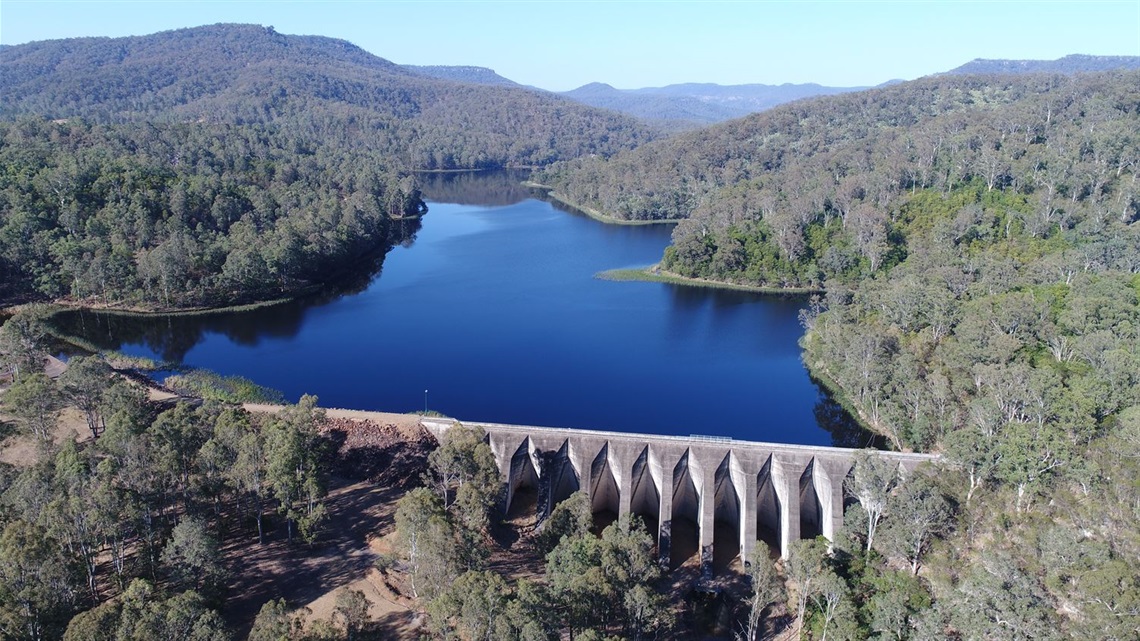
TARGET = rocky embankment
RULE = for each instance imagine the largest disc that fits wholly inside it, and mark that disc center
(383, 452)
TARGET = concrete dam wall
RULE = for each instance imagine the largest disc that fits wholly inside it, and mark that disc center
(756, 491)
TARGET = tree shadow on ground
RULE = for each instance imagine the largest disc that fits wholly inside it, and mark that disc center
(300, 572)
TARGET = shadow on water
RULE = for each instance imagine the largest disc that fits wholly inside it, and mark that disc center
(844, 429)
(172, 337)
(695, 296)
(483, 188)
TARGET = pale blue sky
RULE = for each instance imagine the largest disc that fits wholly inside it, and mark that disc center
(561, 45)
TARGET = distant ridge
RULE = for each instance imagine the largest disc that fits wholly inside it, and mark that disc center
(250, 74)
(1075, 63)
(690, 105)
(462, 73)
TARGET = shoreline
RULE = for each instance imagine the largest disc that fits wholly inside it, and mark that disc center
(475, 170)
(548, 192)
(823, 379)
(60, 306)
(654, 274)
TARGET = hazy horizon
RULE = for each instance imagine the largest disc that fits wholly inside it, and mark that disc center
(631, 44)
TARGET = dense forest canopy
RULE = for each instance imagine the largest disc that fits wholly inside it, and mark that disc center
(185, 214)
(246, 74)
(1075, 63)
(462, 73)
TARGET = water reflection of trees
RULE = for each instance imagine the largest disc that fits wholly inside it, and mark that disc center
(844, 429)
(171, 337)
(482, 188)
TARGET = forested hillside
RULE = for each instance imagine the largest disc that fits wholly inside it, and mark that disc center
(231, 163)
(978, 238)
(246, 74)
(175, 215)
(462, 73)
(823, 184)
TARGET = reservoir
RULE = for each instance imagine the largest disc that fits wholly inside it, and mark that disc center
(494, 309)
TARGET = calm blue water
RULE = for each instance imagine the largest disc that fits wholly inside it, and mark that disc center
(494, 309)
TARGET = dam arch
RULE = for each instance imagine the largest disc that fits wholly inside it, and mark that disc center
(727, 509)
(605, 499)
(645, 497)
(811, 513)
(686, 513)
(768, 508)
(523, 483)
(564, 479)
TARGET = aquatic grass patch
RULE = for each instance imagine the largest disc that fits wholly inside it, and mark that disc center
(228, 389)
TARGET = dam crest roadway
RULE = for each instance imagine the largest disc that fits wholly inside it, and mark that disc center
(757, 491)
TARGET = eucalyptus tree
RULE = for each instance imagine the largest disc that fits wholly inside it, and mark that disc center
(84, 383)
(193, 559)
(23, 341)
(40, 586)
(464, 471)
(176, 437)
(805, 568)
(275, 622)
(293, 467)
(351, 610)
(918, 515)
(594, 581)
(146, 612)
(71, 515)
(477, 604)
(35, 400)
(428, 541)
(872, 480)
(572, 518)
(764, 590)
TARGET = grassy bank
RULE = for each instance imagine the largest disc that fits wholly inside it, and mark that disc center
(654, 274)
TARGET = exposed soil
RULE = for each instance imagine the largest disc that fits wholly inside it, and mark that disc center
(309, 576)
(23, 449)
(378, 457)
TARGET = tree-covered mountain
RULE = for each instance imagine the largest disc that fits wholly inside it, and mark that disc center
(978, 241)
(1075, 63)
(692, 105)
(243, 74)
(230, 163)
(462, 73)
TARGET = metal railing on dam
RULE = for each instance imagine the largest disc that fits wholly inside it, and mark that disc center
(767, 491)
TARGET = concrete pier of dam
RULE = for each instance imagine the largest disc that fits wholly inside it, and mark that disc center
(769, 491)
